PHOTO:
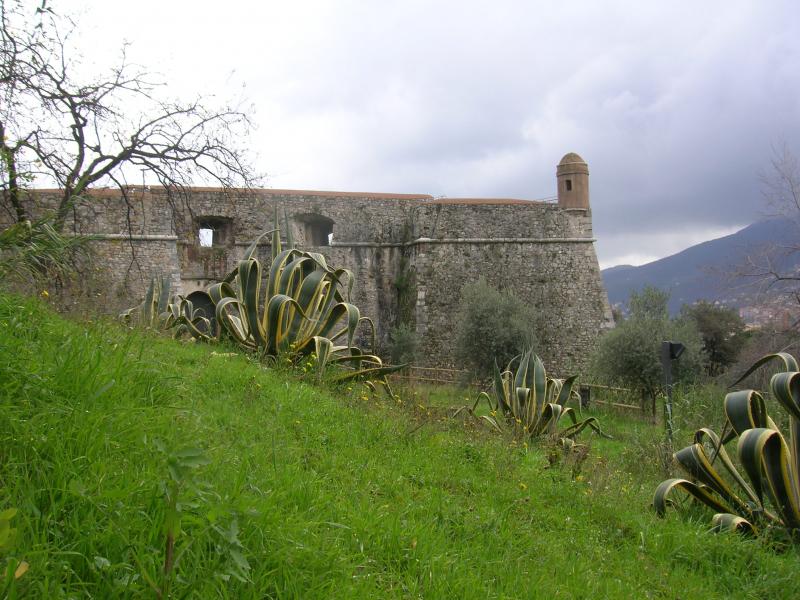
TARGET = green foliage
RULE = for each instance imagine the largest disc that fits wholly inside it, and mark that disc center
(7, 532)
(722, 330)
(162, 311)
(650, 303)
(531, 404)
(37, 251)
(302, 299)
(403, 344)
(629, 354)
(180, 466)
(404, 282)
(152, 312)
(771, 499)
(331, 496)
(184, 494)
(491, 325)
(695, 406)
(300, 311)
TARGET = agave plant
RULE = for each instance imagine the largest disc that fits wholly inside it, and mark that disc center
(161, 310)
(292, 309)
(771, 497)
(300, 298)
(533, 404)
(297, 309)
(148, 313)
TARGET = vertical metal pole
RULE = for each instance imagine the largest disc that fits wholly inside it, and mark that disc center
(666, 364)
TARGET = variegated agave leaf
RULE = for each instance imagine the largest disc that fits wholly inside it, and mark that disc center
(728, 522)
(292, 308)
(301, 300)
(771, 499)
(155, 303)
(184, 318)
(163, 311)
(532, 404)
(296, 307)
(351, 362)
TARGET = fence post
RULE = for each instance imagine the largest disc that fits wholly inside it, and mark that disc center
(669, 351)
(586, 395)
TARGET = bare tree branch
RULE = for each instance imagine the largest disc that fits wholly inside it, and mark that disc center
(772, 267)
(78, 134)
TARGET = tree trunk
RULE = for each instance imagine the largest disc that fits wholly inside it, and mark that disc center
(11, 194)
(63, 210)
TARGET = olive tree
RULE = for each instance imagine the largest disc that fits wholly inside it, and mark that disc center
(491, 325)
(629, 354)
(722, 330)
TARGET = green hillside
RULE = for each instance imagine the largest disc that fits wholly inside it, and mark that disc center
(275, 488)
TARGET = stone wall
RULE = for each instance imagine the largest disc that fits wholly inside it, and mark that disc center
(542, 253)
(410, 254)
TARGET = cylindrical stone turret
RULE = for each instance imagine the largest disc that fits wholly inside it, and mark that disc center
(572, 174)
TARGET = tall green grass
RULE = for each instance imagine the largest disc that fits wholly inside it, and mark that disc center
(323, 494)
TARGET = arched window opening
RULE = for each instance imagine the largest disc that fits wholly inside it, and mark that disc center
(317, 230)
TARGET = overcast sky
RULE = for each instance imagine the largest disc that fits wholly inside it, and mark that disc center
(674, 104)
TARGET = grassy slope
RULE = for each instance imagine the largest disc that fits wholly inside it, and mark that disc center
(331, 499)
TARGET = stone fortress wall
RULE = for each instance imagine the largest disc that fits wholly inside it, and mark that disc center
(410, 254)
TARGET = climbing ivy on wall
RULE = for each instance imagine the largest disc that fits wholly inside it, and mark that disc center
(405, 280)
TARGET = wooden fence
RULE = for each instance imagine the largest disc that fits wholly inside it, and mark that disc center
(604, 395)
(435, 375)
(590, 393)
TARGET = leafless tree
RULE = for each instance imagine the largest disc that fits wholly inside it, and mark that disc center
(781, 184)
(58, 127)
(773, 266)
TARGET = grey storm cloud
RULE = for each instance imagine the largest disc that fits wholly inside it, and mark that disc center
(675, 105)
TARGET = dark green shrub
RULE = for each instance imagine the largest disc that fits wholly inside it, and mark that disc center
(36, 251)
(403, 344)
(491, 325)
(723, 333)
(629, 354)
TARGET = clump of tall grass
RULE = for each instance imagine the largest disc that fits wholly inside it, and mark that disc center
(94, 494)
(35, 250)
(110, 439)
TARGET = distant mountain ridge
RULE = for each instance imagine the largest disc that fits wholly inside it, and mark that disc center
(707, 271)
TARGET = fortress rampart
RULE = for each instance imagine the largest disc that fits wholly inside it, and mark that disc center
(410, 254)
